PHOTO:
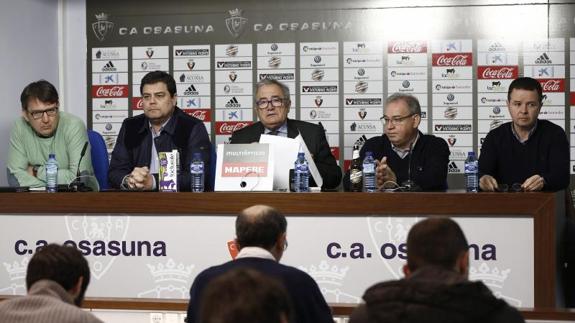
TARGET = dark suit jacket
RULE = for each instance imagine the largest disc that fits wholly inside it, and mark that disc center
(313, 136)
(182, 132)
(309, 306)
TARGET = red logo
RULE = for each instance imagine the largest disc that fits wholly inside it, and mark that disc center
(498, 72)
(137, 104)
(109, 91)
(227, 128)
(552, 85)
(460, 59)
(201, 114)
(572, 98)
(407, 47)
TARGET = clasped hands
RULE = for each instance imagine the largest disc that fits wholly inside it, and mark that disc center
(534, 183)
(139, 179)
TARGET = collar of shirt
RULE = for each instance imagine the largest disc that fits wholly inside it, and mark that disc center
(281, 131)
(156, 134)
(404, 152)
(528, 135)
(255, 252)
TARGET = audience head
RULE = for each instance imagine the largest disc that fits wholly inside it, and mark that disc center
(272, 103)
(262, 226)
(40, 103)
(245, 296)
(401, 118)
(437, 242)
(64, 265)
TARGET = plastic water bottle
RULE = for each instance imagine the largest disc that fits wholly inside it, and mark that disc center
(301, 173)
(471, 172)
(51, 168)
(355, 173)
(197, 171)
(369, 172)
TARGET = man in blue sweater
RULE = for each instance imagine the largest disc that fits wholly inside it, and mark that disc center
(525, 154)
(261, 240)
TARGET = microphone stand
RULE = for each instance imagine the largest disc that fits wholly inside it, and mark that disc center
(77, 185)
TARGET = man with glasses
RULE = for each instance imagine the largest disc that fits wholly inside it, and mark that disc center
(44, 130)
(528, 153)
(261, 240)
(406, 158)
(272, 107)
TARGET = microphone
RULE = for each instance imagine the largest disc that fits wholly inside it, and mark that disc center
(77, 185)
(409, 185)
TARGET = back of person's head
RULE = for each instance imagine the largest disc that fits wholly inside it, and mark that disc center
(260, 226)
(245, 296)
(159, 76)
(41, 90)
(526, 83)
(61, 264)
(435, 242)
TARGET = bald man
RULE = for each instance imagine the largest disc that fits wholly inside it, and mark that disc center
(261, 241)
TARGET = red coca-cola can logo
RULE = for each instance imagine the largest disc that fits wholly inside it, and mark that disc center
(109, 91)
(201, 114)
(498, 72)
(228, 127)
(452, 59)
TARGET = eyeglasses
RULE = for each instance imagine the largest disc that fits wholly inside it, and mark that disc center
(275, 102)
(39, 114)
(395, 120)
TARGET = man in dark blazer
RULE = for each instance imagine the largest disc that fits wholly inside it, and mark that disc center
(162, 128)
(272, 107)
(261, 240)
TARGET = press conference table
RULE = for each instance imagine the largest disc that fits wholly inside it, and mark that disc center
(541, 207)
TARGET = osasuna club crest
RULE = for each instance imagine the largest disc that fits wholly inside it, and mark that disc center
(362, 113)
(150, 52)
(236, 22)
(102, 26)
(451, 141)
(191, 64)
(318, 101)
(233, 76)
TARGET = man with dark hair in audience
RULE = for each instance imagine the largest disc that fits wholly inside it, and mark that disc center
(436, 286)
(245, 296)
(56, 280)
(162, 128)
(527, 153)
(43, 130)
(261, 240)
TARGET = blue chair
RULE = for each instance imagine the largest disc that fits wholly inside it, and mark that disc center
(100, 160)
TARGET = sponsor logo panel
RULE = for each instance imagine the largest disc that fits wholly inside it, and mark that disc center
(235, 115)
(362, 61)
(109, 66)
(455, 167)
(284, 76)
(407, 73)
(493, 86)
(150, 65)
(234, 89)
(543, 58)
(452, 113)
(491, 99)
(497, 59)
(319, 61)
(459, 153)
(109, 116)
(365, 100)
(452, 99)
(552, 85)
(452, 46)
(394, 47)
(457, 140)
(497, 72)
(452, 86)
(109, 78)
(319, 48)
(197, 89)
(362, 48)
(110, 104)
(203, 102)
(234, 63)
(319, 75)
(319, 101)
(107, 128)
(200, 114)
(551, 44)
(234, 102)
(278, 49)
(351, 126)
(109, 91)
(109, 53)
(196, 77)
(407, 60)
(148, 52)
(493, 112)
(453, 59)
(447, 126)
(407, 86)
(488, 45)
(233, 50)
(314, 114)
(276, 62)
(453, 73)
(362, 113)
(361, 87)
(553, 98)
(192, 51)
(192, 64)
(484, 126)
(318, 88)
(552, 71)
(228, 127)
(552, 113)
(240, 76)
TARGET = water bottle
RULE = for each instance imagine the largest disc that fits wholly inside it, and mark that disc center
(355, 173)
(301, 173)
(471, 172)
(51, 168)
(369, 173)
(197, 171)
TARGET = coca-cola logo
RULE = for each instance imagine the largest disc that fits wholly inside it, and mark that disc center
(201, 114)
(110, 91)
(227, 128)
(552, 85)
(501, 72)
(407, 47)
(137, 103)
(461, 59)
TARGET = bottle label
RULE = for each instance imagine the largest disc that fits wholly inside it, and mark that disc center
(355, 176)
(368, 168)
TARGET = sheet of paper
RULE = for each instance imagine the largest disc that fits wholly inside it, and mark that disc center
(285, 152)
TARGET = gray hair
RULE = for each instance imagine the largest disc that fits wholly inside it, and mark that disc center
(283, 87)
(410, 100)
